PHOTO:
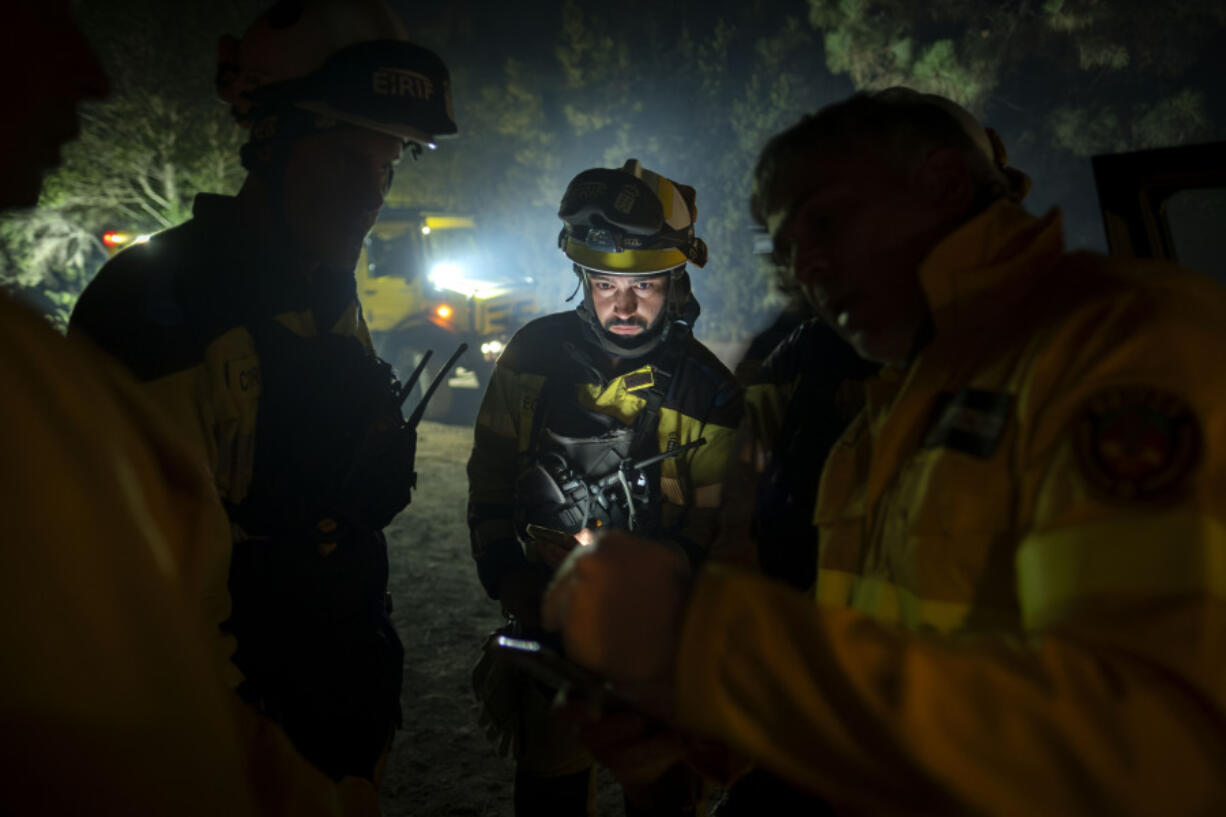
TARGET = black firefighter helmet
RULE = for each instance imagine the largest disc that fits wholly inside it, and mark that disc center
(632, 222)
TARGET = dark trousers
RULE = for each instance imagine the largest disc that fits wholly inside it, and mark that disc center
(317, 647)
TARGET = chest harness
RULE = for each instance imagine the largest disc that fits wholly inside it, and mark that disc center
(587, 469)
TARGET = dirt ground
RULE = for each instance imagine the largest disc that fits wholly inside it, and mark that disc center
(441, 763)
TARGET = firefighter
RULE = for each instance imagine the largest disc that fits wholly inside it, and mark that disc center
(244, 326)
(801, 393)
(1019, 587)
(582, 397)
(112, 696)
(800, 400)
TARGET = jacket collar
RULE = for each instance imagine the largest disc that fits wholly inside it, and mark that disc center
(976, 282)
(991, 256)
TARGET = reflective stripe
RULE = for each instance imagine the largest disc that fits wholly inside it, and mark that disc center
(492, 418)
(708, 496)
(640, 262)
(1178, 551)
(670, 487)
(886, 601)
(614, 399)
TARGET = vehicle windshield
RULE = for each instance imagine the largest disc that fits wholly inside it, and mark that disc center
(1194, 220)
(451, 259)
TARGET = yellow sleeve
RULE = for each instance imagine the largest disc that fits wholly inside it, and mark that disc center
(1113, 705)
(748, 453)
(889, 722)
(765, 407)
(705, 471)
(112, 699)
(502, 429)
(166, 409)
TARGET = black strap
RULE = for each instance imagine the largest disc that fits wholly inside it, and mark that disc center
(664, 371)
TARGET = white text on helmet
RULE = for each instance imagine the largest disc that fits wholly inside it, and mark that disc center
(626, 197)
(588, 190)
(398, 82)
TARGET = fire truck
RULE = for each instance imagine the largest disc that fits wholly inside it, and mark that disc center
(426, 282)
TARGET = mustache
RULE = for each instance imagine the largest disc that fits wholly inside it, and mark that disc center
(639, 322)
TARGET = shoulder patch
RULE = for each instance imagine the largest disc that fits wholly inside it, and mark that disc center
(638, 380)
(971, 421)
(1138, 443)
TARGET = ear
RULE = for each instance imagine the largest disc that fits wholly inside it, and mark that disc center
(228, 69)
(946, 181)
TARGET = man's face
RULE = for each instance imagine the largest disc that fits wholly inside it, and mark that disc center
(852, 233)
(335, 182)
(55, 69)
(627, 305)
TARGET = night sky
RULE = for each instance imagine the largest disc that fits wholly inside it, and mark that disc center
(544, 90)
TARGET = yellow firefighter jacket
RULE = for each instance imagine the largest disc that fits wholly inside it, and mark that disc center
(268, 374)
(112, 698)
(1023, 561)
(700, 400)
(182, 332)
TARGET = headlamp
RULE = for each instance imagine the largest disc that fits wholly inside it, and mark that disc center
(602, 240)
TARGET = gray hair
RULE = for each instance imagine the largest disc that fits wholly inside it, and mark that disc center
(901, 127)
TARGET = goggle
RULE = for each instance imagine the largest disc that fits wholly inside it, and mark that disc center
(609, 239)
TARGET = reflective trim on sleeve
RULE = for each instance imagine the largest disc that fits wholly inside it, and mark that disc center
(496, 422)
(670, 487)
(885, 601)
(499, 413)
(1179, 551)
(708, 496)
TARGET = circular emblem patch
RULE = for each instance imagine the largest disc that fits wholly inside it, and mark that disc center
(1137, 443)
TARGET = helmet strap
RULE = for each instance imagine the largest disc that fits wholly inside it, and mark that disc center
(274, 130)
(578, 284)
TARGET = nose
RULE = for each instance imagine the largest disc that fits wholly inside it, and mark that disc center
(625, 303)
(365, 196)
(809, 264)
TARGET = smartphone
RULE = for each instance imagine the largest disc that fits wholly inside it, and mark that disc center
(551, 535)
(545, 664)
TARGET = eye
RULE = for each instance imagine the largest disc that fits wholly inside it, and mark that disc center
(645, 286)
